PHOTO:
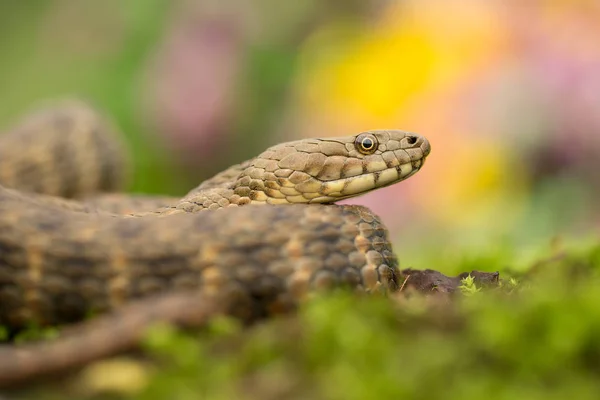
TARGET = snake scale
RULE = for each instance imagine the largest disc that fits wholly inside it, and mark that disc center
(273, 238)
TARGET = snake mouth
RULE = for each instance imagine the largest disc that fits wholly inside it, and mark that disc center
(340, 189)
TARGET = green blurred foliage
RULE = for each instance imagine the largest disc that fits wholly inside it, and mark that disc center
(45, 57)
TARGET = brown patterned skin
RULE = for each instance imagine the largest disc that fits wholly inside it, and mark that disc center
(121, 203)
(56, 266)
(312, 171)
(71, 151)
(67, 150)
(61, 260)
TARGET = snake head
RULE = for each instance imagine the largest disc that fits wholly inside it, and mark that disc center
(331, 169)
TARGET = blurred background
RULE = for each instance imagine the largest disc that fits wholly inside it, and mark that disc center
(508, 93)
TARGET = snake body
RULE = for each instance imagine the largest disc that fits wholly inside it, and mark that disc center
(61, 260)
(68, 150)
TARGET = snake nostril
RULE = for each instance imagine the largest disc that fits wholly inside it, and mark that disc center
(411, 139)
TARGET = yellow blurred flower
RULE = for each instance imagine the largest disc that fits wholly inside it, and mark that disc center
(478, 184)
(416, 49)
(408, 73)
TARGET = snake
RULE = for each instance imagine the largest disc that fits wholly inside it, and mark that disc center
(254, 241)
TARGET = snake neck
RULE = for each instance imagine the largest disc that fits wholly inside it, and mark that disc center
(315, 171)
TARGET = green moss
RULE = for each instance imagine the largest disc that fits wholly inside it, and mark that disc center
(468, 286)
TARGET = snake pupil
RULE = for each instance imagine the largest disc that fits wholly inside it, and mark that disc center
(366, 143)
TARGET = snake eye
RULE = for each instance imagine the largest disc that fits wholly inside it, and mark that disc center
(366, 143)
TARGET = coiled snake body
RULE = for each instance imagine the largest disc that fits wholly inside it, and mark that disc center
(61, 260)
